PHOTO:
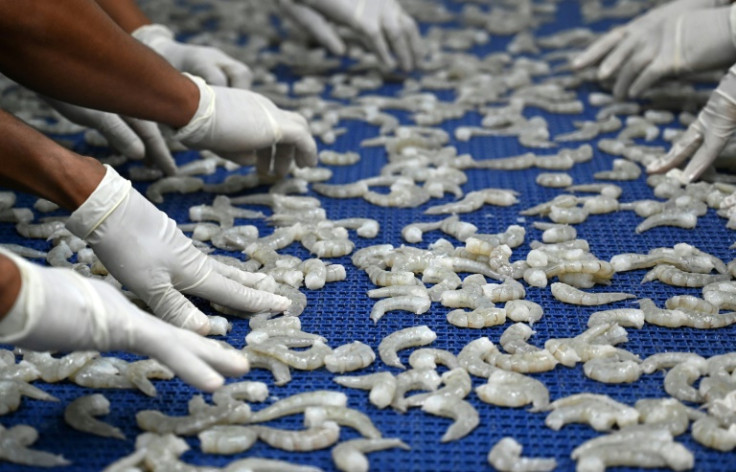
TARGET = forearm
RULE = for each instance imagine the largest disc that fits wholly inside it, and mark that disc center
(74, 52)
(33, 163)
(9, 285)
(125, 13)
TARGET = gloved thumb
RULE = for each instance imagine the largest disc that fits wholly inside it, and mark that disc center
(682, 149)
(173, 307)
(316, 24)
(121, 137)
(704, 157)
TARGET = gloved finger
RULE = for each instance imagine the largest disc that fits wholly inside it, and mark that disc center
(298, 135)
(398, 40)
(649, 76)
(415, 39)
(196, 360)
(173, 307)
(264, 160)
(249, 279)
(629, 72)
(212, 74)
(682, 149)
(317, 26)
(620, 54)
(704, 157)
(157, 152)
(238, 74)
(374, 40)
(595, 52)
(121, 137)
(283, 159)
(231, 294)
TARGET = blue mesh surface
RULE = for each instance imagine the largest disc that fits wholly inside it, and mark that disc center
(340, 312)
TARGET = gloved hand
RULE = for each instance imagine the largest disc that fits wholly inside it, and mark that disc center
(58, 309)
(676, 37)
(706, 136)
(136, 139)
(144, 250)
(213, 65)
(382, 25)
(237, 124)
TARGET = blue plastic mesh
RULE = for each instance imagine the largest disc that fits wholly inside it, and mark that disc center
(340, 313)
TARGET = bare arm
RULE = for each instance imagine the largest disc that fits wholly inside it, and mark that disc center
(9, 285)
(125, 13)
(31, 162)
(73, 51)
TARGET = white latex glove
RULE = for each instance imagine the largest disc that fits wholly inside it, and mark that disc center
(59, 310)
(706, 136)
(136, 139)
(383, 25)
(238, 124)
(213, 65)
(632, 47)
(144, 250)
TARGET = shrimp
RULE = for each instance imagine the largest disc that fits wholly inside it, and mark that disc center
(510, 289)
(612, 370)
(11, 392)
(349, 456)
(298, 403)
(428, 358)
(523, 311)
(512, 389)
(472, 357)
(554, 179)
(599, 411)
(201, 417)
(414, 379)
(312, 439)
(678, 318)
(343, 416)
(80, 413)
(178, 184)
(709, 432)
(14, 444)
(667, 360)
(482, 317)
(384, 278)
(227, 439)
(645, 453)
(668, 413)
(569, 294)
(416, 305)
(234, 393)
(402, 339)
(349, 357)
(457, 384)
(267, 465)
(463, 413)
(399, 291)
(505, 456)
(311, 359)
(678, 381)
(626, 317)
(382, 386)
(279, 370)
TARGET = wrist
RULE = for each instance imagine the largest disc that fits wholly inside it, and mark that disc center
(10, 286)
(107, 195)
(199, 122)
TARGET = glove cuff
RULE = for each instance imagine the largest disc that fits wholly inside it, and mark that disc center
(19, 322)
(108, 195)
(200, 123)
(153, 35)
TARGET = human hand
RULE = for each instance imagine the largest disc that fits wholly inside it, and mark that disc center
(680, 36)
(241, 125)
(213, 65)
(706, 136)
(145, 251)
(59, 310)
(383, 26)
(133, 138)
